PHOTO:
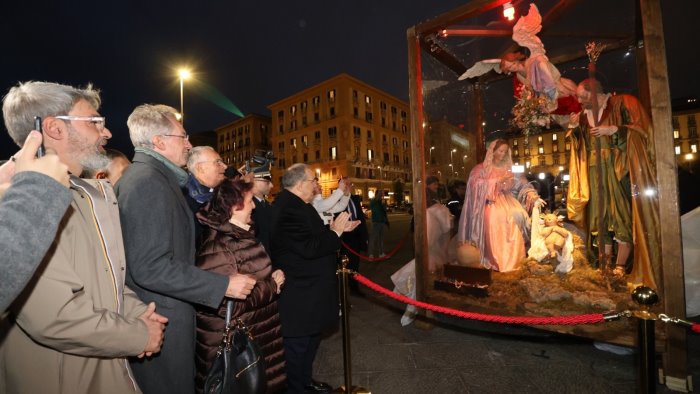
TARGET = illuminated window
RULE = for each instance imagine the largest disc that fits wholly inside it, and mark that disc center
(332, 152)
(370, 154)
(540, 150)
(293, 110)
(694, 148)
(676, 134)
(331, 96)
(368, 100)
(678, 149)
(554, 137)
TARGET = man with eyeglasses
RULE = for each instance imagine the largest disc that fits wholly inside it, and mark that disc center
(305, 250)
(206, 172)
(76, 322)
(158, 228)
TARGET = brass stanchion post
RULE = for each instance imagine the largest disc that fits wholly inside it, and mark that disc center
(646, 339)
(345, 307)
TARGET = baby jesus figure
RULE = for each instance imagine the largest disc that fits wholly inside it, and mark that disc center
(554, 235)
(550, 240)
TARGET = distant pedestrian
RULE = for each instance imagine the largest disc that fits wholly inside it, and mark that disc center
(380, 223)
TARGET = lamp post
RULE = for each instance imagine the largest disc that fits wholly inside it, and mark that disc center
(431, 154)
(184, 74)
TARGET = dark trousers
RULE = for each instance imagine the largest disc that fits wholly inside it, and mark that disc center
(299, 353)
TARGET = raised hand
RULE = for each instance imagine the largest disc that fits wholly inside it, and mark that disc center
(25, 160)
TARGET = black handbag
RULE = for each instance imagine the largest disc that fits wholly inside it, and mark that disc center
(239, 366)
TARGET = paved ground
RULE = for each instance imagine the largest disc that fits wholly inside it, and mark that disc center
(467, 357)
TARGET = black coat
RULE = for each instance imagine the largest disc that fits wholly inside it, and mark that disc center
(306, 250)
(261, 222)
(158, 230)
(357, 238)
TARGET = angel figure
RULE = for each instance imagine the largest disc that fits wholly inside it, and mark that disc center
(532, 67)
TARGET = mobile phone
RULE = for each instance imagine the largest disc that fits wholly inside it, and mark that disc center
(37, 126)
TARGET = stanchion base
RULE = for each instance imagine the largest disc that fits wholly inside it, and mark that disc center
(355, 389)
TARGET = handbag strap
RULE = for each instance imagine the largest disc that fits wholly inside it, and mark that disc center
(226, 340)
(229, 312)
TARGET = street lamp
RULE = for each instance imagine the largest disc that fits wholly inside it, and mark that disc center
(431, 154)
(184, 74)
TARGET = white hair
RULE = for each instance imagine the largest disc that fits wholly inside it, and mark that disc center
(148, 121)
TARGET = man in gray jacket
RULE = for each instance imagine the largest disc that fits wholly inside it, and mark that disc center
(75, 322)
(158, 228)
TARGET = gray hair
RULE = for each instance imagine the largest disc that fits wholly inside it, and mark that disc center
(195, 155)
(27, 100)
(293, 175)
(148, 121)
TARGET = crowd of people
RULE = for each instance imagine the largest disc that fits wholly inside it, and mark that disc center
(118, 271)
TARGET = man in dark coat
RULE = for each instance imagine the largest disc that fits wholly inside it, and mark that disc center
(356, 239)
(306, 250)
(261, 213)
(158, 229)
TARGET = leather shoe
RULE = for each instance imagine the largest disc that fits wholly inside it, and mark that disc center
(318, 387)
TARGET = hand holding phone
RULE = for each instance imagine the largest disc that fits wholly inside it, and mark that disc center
(41, 151)
(24, 160)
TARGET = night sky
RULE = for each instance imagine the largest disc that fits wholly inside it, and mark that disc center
(252, 53)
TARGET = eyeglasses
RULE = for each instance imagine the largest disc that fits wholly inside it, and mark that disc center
(186, 136)
(217, 162)
(98, 121)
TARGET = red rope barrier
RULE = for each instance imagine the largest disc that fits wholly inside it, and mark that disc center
(387, 257)
(695, 327)
(592, 318)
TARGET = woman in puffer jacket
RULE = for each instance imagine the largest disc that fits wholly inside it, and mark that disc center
(230, 247)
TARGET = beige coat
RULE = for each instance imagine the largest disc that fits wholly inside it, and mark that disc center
(75, 323)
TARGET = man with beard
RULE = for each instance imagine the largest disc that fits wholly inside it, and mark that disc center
(158, 228)
(75, 322)
(629, 206)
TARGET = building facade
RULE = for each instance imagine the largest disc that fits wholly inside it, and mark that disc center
(686, 113)
(237, 141)
(344, 127)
